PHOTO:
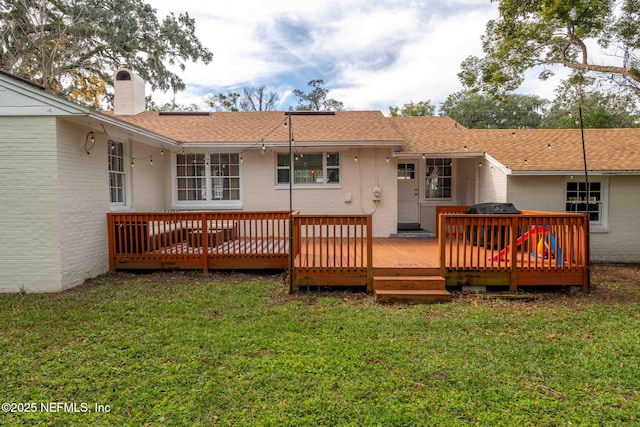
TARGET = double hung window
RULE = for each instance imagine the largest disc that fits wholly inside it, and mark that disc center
(208, 178)
(308, 168)
(117, 174)
(439, 179)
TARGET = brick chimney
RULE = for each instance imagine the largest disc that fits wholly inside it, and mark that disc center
(128, 97)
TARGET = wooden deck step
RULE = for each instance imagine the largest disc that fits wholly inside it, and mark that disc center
(408, 282)
(412, 296)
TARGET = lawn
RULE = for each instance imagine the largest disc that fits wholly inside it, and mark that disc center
(235, 349)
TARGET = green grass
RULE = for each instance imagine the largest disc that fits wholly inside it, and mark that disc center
(189, 349)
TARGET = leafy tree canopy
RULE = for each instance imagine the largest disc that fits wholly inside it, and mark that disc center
(422, 108)
(223, 102)
(546, 32)
(479, 111)
(599, 110)
(168, 106)
(316, 98)
(251, 99)
(73, 47)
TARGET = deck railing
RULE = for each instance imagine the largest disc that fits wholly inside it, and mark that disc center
(334, 250)
(328, 250)
(190, 240)
(533, 248)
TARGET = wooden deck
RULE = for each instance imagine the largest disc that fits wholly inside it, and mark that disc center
(398, 255)
(338, 250)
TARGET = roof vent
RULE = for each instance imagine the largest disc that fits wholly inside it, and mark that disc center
(128, 96)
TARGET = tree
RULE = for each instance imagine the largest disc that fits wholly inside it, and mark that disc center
(316, 99)
(599, 110)
(73, 47)
(251, 99)
(223, 102)
(544, 32)
(168, 106)
(479, 111)
(422, 108)
(257, 99)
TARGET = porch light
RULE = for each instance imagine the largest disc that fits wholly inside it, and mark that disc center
(355, 158)
(151, 160)
(162, 151)
(424, 156)
(479, 164)
(387, 159)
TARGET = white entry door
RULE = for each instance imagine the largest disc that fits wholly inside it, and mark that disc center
(408, 192)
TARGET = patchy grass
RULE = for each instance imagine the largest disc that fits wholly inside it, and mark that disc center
(193, 349)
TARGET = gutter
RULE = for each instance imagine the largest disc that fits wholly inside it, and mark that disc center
(576, 172)
(124, 126)
(284, 144)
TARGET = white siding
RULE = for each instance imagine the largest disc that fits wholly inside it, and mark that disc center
(356, 178)
(492, 184)
(149, 181)
(622, 241)
(29, 220)
(538, 193)
(83, 203)
(619, 241)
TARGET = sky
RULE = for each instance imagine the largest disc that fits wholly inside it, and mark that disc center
(371, 54)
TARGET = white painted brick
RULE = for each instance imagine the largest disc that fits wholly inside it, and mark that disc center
(260, 192)
(30, 253)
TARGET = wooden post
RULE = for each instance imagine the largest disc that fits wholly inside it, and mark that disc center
(442, 237)
(513, 261)
(205, 243)
(369, 253)
(586, 284)
(112, 242)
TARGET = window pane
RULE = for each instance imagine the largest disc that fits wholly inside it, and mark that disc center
(439, 182)
(333, 175)
(578, 201)
(283, 176)
(283, 159)
(308, 169)
(115, 153)
(333, 159)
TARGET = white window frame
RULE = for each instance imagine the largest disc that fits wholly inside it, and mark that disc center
(125, 204)
(325, 171)
(423, 182)
(209, 202)
(603, 223)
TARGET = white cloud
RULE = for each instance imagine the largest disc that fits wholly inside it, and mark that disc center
(371, 55)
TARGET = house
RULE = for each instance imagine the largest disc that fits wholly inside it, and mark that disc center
(535, 169)
(64, 167)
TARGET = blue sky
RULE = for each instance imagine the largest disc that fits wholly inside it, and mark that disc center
(371, 54)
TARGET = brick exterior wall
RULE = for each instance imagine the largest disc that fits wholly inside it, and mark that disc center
(29, 219)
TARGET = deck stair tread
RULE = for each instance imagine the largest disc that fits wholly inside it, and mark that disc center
(409, 282)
